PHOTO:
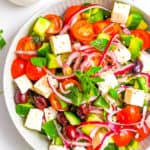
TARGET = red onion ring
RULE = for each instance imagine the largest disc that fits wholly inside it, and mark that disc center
(31, 52)
(62, 90)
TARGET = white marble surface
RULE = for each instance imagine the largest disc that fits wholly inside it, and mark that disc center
(11, 19)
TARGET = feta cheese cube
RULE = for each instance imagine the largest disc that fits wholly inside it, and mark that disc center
(120, 12)
(145, 61)
(110, 81)
(56, 147)
(122, 54)
(42, 87)
(34, 119)
(50, 113)
(134, 97)
(79, 148)
(61, 44)
(23, 83)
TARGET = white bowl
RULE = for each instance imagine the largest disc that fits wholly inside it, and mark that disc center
(36, 140)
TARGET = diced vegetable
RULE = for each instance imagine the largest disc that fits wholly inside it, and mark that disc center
(2, 40)
(23, 109)
(72, 118)
(111, 146)
(39, 61)
(113, 93)
(126, 39)
(44, 49)
(142, 25)
(101, 102)
(41, 25)
(50, 129)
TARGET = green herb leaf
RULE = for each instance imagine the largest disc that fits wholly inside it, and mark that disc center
(113, 93)
(93, 70)
(39, 61)
(96, 79)
(50, 129)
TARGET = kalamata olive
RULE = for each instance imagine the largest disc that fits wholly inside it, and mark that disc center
(138, 66)
(62, 119)
(147, 50)
(70, 132)
(40, 102)
(21, 98)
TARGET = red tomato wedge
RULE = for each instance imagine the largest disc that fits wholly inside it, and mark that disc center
(26, 44)
(144, 35)
(82, 31)
(33, 72)
(129, 114)
(18, 67)
(70, 12)
(123, 138)
(56, 24)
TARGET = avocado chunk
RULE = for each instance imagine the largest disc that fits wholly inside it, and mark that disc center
(41, 25)
(23, 109)
(50, 129)
(52, 61)
(72, 118)
(44, 49)
(135, 47)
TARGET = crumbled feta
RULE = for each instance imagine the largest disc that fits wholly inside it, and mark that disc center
(42, 87)
(50, 113)
(23, 83)
(110, 81)
(61, 44)
(122, 54)
(145, 61)
(120, 12)
(34, 119)
(134, 97)
(56, 147)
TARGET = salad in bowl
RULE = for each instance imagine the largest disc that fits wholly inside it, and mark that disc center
(82, 79)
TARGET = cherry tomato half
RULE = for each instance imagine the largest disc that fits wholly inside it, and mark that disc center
(70, 12)
(123, 138)
(34, 72)
(129, 114)
(82, 30)
(143, 133)
(55, 102)
(18, 67)
(56, 24)
(144, 35)
(26, 44)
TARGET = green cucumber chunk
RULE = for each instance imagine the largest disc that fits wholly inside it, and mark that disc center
(72, 118)
(41, 25)
(135, 47)
(50, 129)
(142, 83)
(44, 49)
(52, 61)
(134, 20)
(39, 61)
(23, 109)
(126, 39)
(101, 102)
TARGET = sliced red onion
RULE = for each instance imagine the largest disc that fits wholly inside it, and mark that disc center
(31, 52)
(108, 27)
(143, 116)
(110, 116)
(76, 46)
(74, 16)
(96, 110)
(77, 63)
(124, 70)
(62, 90)
(58, 77)
(85, 47)
(126, 31)
(63, 98)
(147, 121)
(94, 131)
(122, 88)
(72, 57)
(83, 137)
(59, 60)
(107, 48)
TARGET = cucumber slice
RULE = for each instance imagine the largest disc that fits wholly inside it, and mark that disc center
(72, 118)
(44, 49)
(39, 61)
(23, 109)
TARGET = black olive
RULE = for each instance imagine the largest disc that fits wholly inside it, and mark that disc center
(138, 67)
